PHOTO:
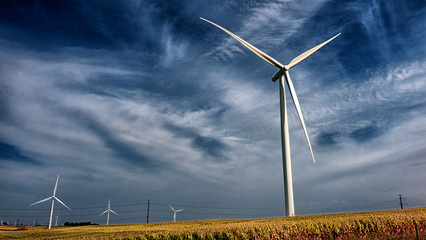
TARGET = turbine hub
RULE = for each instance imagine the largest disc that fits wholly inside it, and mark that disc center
(279, 73)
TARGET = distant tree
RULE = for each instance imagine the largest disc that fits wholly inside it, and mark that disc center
(74, 224)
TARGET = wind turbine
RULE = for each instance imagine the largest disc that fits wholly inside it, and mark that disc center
(56, 222)
(285, 138)
(174, 212)
(108, 211)
(53, 202)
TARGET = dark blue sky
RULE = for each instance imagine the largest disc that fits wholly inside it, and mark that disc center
(131, 100)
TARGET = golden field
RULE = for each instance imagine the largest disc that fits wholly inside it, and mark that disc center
(392, 224)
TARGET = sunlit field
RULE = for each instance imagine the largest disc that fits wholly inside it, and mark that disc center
(394, 224)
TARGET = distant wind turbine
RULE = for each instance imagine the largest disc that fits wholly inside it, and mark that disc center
(174, 212)
(53, 198)
(56, 222)
(285, 138)
(108, 211)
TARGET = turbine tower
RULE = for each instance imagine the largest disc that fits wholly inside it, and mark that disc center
(174, 212)
(283, 74)
(53, 198)
(108, 211)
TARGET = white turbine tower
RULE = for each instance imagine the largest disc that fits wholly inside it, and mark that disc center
(174, 212)
(53, 198)
(108, 211)
(285, 138)
(56, 222)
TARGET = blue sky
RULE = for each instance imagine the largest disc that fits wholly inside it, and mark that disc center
(131, 100)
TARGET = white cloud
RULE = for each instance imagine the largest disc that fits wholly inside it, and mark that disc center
(174, 49)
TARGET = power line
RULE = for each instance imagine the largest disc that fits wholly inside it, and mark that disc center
(216, 207)
(144, 203)
(149, 210)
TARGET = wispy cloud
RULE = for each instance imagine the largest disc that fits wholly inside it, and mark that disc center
(266, 27)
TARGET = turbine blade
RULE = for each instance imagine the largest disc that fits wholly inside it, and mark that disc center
(103, 212)
(57, 199)
(259, 53)
(44, 200)
(172, 208)
(56, 185)
(179, 210)
(299, 110)
(113, 212)
(306, 54)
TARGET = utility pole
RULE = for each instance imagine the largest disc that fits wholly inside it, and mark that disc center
(147, 214)
(400, 201)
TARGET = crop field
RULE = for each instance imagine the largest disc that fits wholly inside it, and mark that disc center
(393, 224)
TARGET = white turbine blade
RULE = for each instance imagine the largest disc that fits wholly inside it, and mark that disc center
(172, 208)
(103, 212)
(113, 212)
(57, 199)
(259, 53)
(306, 54)
(179, 210)
(56, 185)
(299, 110)
(44, 200)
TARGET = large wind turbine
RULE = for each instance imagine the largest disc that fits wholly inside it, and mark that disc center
(53, 198)
(174, 212)
(108, 211)
(285, 138)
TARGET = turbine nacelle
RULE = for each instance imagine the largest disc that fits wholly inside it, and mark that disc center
(279, 73)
